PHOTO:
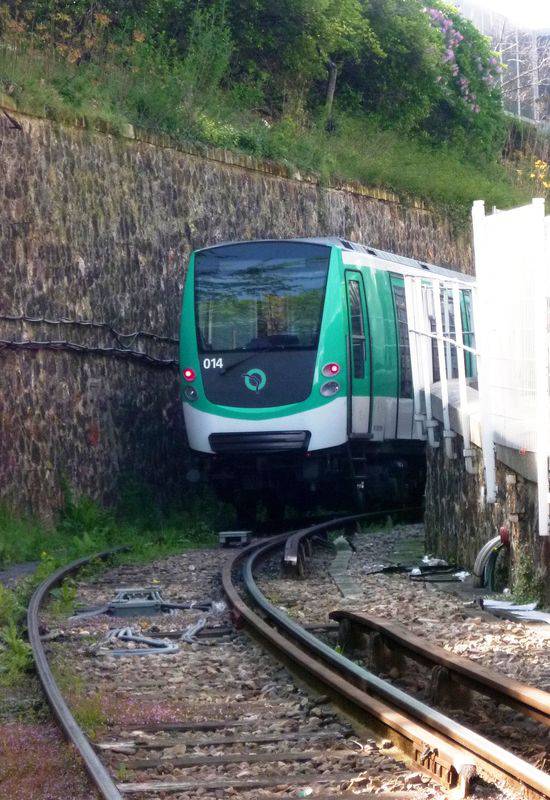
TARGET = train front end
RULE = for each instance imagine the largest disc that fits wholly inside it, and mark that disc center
(263, 352)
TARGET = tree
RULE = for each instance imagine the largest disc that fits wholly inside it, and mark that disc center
(438, 74)
(399, 83)
(343, 31)
(286, 45)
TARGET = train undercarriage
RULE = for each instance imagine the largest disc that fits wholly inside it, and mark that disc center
(360, 475)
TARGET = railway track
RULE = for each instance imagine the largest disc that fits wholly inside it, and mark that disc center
(261, 736)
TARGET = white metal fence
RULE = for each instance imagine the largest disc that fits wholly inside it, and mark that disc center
(512, 254)
(508, 359)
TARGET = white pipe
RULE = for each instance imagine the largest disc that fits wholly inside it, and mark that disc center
(487, 439)
(464, 415)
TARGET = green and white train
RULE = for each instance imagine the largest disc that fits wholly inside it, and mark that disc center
(296, 366)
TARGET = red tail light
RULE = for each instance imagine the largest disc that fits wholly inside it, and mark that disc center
(189, 374)
(330, 370)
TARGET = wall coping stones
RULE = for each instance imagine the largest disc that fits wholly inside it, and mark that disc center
(221, 155)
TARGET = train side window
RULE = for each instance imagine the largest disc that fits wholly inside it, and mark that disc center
(357, 329)
(449, 331)
(468, 332)
(405, 369)
(428, 304)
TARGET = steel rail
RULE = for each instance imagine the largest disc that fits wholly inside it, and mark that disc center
(520, 696)
(459, 746)
(296, 541)
(446, 762)
(67, 722)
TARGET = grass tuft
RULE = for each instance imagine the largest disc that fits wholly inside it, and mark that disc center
(528, 585)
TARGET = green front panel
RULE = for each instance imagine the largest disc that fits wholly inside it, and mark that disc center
(332, 348)
(383, 332)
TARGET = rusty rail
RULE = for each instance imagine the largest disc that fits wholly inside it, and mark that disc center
(443, 748)
(298, 547)
(433, 754)
(524, 698)
(97, 772)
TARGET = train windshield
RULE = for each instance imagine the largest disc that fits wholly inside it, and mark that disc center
(260, 296)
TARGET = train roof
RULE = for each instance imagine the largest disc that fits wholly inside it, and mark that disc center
(349, 246)
(385, 255)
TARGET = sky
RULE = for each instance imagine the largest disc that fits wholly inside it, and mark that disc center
(527, 13)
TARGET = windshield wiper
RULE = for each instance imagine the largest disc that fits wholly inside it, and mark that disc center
(236, 364)
(263, 350)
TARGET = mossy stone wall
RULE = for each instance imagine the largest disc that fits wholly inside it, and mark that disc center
(98, 227)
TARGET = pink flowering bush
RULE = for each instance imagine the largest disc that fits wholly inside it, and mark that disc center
(436, 77)
(468, 79)
(459, 59)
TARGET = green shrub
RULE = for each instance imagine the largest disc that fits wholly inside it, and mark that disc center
(139, 522)
(15, 654)
(528, 586)
(64, 598)
(11, 607)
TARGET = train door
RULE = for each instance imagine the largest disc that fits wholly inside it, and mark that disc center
(360, 384)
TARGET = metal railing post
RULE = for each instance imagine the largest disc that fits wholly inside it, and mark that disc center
(487, 438)
(447, 332)
(542, 370)
(421, 316)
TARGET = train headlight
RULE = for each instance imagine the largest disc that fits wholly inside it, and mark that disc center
(329, 388)
(330, 370)
(189, 374)
(190, 393)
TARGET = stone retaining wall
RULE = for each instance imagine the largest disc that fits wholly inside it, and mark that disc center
(99, 228)
(459, 522)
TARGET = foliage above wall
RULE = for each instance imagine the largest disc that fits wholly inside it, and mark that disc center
(264, 75)
(425, 67)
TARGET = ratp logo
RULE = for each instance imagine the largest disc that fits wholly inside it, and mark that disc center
(255, 379)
